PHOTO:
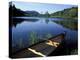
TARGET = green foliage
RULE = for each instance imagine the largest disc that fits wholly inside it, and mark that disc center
(72, 24)
(48, 35)
(13, 11)
(33, 38)
(21, 45)
(67, 13)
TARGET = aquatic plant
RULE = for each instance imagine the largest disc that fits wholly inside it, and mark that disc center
(21, 45)
(33, 38)
(48, 36)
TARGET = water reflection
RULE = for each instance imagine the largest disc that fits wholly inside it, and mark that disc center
(16, 21)
(71, 24)
(46, 20)
(22, 36)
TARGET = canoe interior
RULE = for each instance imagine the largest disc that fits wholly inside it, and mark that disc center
(40, 49)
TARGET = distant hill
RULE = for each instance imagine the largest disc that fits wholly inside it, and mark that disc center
(32, 13)
(13, 11)
(66, 13)
(69, 12)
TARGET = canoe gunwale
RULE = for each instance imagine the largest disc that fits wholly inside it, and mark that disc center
(40, 42)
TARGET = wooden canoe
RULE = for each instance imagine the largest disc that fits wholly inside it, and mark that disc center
(41, 49)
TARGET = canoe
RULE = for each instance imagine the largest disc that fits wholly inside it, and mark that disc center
(41, 49)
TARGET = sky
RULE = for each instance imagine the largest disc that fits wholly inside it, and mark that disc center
(41, 7)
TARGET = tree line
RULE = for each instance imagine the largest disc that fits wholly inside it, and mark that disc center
(69, 12)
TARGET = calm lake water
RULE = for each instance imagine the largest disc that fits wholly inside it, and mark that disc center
(23, 26)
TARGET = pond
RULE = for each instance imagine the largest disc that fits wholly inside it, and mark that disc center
(24, 27)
